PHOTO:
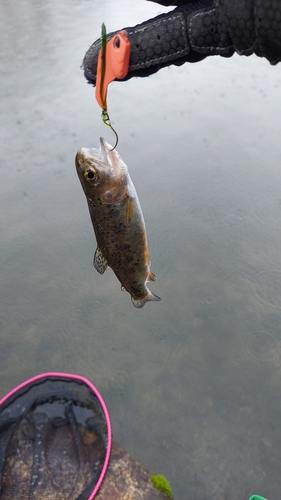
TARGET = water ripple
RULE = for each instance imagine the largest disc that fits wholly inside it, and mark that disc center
(121, 380)
(210, 301)
(260, 346)
(266, 287)
(227, 215)
(215, 213)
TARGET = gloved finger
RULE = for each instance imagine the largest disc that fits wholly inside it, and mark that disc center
(155, 43)
(172, 3)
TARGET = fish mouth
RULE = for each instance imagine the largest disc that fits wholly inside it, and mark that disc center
(102, 143)
(104, 146)
(106, 151)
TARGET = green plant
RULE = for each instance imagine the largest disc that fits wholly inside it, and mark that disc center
(161, 483)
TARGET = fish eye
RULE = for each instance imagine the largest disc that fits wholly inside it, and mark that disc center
(90, 175)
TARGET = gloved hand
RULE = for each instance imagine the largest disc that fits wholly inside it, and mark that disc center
(197, 29)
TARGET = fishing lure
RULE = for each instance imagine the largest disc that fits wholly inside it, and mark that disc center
(113, 62)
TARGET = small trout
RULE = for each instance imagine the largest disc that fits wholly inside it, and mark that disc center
(117, 220)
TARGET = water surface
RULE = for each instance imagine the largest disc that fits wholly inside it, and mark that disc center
(192, 383)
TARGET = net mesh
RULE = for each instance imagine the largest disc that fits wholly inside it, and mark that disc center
(53, 441)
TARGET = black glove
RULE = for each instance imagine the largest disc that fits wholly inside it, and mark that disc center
(197, 29)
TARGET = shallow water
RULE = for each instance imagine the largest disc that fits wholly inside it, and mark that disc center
(192, 383)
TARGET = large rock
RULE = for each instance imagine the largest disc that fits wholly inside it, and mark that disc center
(126, 479)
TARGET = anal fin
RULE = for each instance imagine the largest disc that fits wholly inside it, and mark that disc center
(151, 276)
(100, 262)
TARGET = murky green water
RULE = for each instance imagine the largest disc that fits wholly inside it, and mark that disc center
(193, 384)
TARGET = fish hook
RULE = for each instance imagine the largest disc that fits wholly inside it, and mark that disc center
(107, 122)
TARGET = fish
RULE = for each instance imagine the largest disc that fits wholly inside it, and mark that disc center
(117, 220)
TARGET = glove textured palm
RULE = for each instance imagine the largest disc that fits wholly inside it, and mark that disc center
(197, 29)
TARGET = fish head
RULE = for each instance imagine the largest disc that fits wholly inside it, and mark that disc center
(102, 173)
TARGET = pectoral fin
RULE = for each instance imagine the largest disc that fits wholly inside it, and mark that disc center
(130, 210)
(100, 262)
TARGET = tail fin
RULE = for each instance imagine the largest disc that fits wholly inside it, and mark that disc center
(139, 303)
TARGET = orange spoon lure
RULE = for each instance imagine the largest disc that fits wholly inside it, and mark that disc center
(113, 62)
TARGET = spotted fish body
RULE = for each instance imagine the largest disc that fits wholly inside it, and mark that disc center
(117, 220)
